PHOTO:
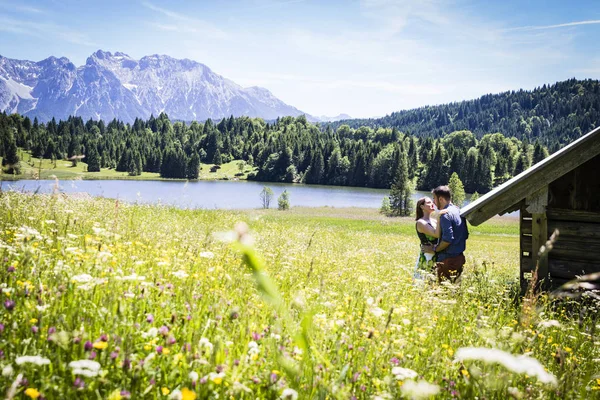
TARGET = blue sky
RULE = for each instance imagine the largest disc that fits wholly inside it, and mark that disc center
(364, 57)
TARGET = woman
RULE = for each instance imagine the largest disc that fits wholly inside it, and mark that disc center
(428, 230)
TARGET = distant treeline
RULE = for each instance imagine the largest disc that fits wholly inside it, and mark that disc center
(555, 115)
(288, 150)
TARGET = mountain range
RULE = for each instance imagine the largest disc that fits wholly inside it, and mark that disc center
(117, 86)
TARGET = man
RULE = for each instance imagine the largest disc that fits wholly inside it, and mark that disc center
(453, 240)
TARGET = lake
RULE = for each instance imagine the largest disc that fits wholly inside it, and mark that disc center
(212, 194)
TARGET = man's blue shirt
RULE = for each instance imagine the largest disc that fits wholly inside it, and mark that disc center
(454, 231)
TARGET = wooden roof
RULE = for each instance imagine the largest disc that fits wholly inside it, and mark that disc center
(510, 193)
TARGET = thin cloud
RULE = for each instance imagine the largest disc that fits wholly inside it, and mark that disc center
(565, 25)
(45, 31)
(20, 8)
(186, 24)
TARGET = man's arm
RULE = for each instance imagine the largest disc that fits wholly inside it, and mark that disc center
(447, 233)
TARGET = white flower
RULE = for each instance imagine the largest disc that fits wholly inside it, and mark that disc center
(42, 308)
(180, 274)
(176, 395)
(82, 278)
(289, 393)
(206, 345)
(419, 390)
(207, 254)
(152, 332)
(86, 368)
(549, 324)
(132, 277)
(519, 364)
(37, 360)
(403, 373)
(7, 371)
(193, 376)
(376, 311)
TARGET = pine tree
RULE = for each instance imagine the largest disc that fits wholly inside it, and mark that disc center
(400, 192)
(283, 202)
(457, 189)
(92, 159)
(11, 158)
(193, 167)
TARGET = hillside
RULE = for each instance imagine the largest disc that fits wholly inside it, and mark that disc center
(556, 114)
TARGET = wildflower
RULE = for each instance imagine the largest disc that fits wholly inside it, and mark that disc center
(87, 346)
(193, 376)
(207, 254)
(165, 391)
(216, 378)
(548, 324)
(176, 395)
(33, 393)
(152, 332)
(205, 345)
(289, 393)
(180, 274)
(100, 345)
(82, 278)
(79, 383)
(519, 364)
(376, 311)
(403, 373)
(419, 390)
(187, 394)
(163, 330)
(85, 367)
(9, 304)
(150, 318)
(159, 349)
(7, 371)
(37, 360)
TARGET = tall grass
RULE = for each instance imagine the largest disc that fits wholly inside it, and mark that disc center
(192, 304)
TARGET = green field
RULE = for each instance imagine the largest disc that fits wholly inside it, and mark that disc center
(313, 303)
(36, 168)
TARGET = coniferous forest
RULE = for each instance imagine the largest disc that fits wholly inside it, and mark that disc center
(520, 128)
(554, 114)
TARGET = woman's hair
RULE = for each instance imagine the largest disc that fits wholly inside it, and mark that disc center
(419, 213)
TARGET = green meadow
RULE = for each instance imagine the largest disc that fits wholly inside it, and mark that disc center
(107, 300)
(36, 168)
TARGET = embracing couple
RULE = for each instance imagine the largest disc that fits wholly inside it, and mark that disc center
(443, 234)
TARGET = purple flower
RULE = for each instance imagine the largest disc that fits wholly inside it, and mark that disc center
(127, 364)
(150, 318)
(159, 349)
(153, 381)
(125, 394)
(104, 337)
(92, 355)
(88, 346)
(9, 304)
(171, 340)
(35, 329)
(1, 328)
(256, 336)
(236, 362)
(114, 355)
(203, 380)
(255, 380)
(11, 269)
(355, 376)
(51, 330)
(220, 368)
(163, 330)
(79, 383)
(395, 361)
(24, 382)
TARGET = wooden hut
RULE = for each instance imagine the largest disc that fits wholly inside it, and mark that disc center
(561, 192)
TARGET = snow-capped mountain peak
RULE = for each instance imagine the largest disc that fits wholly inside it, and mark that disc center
(115, 85)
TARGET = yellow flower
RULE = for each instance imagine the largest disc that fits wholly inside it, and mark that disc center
(464, 372)
(100, 345)
(33, 393)
(165, 391)
(33, 321)
(115, 395)
(147, 347)
(166, 351)
(568, 349)
(187, 394)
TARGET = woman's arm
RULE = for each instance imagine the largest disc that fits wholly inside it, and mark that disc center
(427, 229)
(438, 227)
